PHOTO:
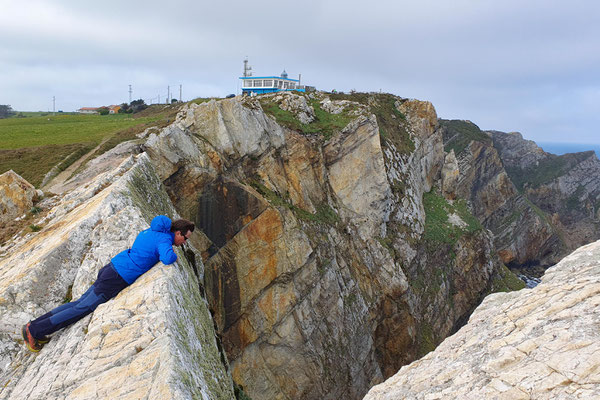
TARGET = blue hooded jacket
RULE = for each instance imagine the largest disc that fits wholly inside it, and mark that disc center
(150, 246)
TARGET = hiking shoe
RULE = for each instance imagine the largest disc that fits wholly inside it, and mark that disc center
(43, 340)
(32, 343)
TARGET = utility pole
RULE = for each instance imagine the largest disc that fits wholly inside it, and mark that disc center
(168, 93)
(180, 98)
(53, 105)
(130, 91)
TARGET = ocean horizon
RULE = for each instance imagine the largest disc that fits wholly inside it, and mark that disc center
(563, 148)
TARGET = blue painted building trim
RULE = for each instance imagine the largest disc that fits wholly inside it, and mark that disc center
(269, 77)
(269, 90)
(272, 89)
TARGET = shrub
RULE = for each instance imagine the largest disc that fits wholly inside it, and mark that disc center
(35, 228)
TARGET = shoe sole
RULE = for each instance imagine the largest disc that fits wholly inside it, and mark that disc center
(24, 334)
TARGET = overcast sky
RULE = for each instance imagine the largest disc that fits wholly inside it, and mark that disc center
(527, 66)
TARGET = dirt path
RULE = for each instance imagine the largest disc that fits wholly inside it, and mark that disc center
(57, 184)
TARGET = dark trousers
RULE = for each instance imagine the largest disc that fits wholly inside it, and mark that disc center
(108, 284)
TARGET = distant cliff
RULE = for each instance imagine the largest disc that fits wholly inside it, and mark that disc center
(539, 206)
(566, 188)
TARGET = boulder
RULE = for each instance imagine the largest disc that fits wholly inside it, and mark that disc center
(16, 196)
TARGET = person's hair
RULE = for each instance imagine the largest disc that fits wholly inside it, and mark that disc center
(183, 226)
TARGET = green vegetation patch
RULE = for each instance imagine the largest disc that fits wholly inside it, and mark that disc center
(147, 193)
(201, 100)
(505, 281)
(392, 122)
(547, 170)
(458, 134)
(17, 133)
(33, 163)
(438, 228)
(324, 123)
(387, 242)
(426, 339)
(32, 146)
(573, 201)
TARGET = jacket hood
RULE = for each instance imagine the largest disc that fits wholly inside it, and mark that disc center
(161, 223)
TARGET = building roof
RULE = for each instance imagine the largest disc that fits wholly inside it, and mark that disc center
(268, 77)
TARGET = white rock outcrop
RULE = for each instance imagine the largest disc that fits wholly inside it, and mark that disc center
(541, 343)
(154, 340)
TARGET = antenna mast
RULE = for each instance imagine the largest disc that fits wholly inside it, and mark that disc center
(247, 68)
(130, 91)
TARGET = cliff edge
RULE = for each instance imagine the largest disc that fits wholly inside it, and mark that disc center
(154, 340)
(542, 343)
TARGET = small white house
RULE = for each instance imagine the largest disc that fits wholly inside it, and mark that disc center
(88, 110)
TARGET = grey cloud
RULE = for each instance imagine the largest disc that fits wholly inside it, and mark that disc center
(511, 65)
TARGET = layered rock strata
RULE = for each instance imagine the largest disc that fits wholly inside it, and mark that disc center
(526, 232)
(154, 340)
(542, 343)
(563, 189)
(318, 271)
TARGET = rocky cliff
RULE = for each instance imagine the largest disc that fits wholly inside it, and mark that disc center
(541, 343)
(337, 242)
(565, 188)
(539, 206)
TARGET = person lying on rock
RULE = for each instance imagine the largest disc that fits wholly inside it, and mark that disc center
(150, 246)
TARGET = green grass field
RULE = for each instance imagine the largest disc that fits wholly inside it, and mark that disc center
(31, 146)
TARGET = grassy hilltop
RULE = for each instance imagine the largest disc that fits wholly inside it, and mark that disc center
(31, 146)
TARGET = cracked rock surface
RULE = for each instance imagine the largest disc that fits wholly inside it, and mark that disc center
(542, 343)
(155, 340)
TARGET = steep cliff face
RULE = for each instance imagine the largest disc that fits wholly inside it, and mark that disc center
(154, 340)
(531, 344)
(524, 235)
(331, 259)
(564, 189)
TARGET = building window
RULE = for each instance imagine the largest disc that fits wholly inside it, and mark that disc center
(268, 83)
(292, 85)
(247, 83)
(279, 84)
(285, 85)
(257, 83)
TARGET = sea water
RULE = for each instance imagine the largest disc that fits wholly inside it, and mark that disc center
(562, 148)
